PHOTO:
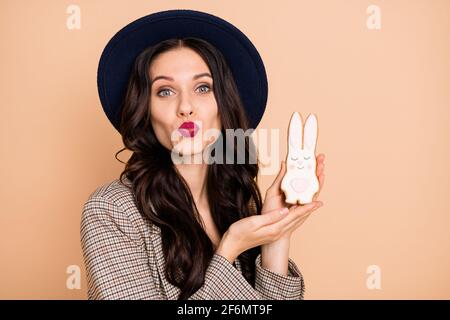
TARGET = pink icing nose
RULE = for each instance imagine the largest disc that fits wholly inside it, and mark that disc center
(299, 184)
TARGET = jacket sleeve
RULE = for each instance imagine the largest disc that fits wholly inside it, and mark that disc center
(275, 286)
(224, 281)
(117, 264)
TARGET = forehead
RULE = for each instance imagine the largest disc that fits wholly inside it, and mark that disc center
(178, 63)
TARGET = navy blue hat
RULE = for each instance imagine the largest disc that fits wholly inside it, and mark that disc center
(241, 56)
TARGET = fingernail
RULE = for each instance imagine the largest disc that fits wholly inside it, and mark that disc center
(284, 210)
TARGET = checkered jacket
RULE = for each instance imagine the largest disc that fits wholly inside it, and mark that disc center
(124, 259)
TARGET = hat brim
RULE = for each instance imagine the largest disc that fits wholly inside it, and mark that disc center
(241, 56)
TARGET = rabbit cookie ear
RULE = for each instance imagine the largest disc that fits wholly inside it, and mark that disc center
(295, 132)
(310, 133)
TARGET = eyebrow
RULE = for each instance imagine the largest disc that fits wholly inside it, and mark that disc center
(205, 74)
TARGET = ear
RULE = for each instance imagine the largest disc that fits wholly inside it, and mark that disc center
(310, 133)
(295, 132)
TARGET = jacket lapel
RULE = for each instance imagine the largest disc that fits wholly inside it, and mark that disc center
(170, 291)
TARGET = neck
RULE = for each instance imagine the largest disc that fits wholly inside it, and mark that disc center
(195, 176)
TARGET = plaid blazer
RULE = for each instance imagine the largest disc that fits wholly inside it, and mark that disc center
(124, 259)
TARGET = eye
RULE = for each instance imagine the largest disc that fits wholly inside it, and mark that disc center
(163, 90)
(205, 86)
(307, 158)
(295, 159)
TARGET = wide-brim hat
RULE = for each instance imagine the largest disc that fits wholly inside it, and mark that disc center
(118, 57)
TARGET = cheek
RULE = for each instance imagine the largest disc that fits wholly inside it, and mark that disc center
(162, 124)
(211, 116)
(217, 123)
(161, 115)
(157, 113)
(309, 166)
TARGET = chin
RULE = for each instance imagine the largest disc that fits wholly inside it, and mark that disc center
(188, 147)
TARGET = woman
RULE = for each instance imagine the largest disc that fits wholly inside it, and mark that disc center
(175, 230)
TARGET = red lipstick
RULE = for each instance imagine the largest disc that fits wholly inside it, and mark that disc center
(188, 129)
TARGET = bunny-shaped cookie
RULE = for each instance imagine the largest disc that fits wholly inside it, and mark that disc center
(300, 182)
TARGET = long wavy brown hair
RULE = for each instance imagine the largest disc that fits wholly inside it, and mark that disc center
(232, 189)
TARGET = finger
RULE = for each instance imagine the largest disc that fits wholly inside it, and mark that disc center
(319, 172)
(298, 222)
(321, 181)
(304, 209)
(295, 224)
(320, 169)
(294, 213)
(301, 221)
(320, 158)
(320, 163)
(275, 188)
(270, 217)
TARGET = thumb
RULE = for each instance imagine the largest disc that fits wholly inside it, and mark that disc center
(274, 189)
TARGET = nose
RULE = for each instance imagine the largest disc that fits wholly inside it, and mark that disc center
(185, 109)
(185, 113)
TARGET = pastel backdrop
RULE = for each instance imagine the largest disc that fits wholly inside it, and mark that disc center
(381, 97)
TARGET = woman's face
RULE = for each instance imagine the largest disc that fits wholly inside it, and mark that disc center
(182, 91)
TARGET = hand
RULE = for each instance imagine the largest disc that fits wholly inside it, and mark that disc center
(275, 198)
(259, 229)
(275, 255)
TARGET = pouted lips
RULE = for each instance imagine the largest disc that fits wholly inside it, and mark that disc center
(188, 129)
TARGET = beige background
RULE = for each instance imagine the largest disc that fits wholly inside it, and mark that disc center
(381, 98)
